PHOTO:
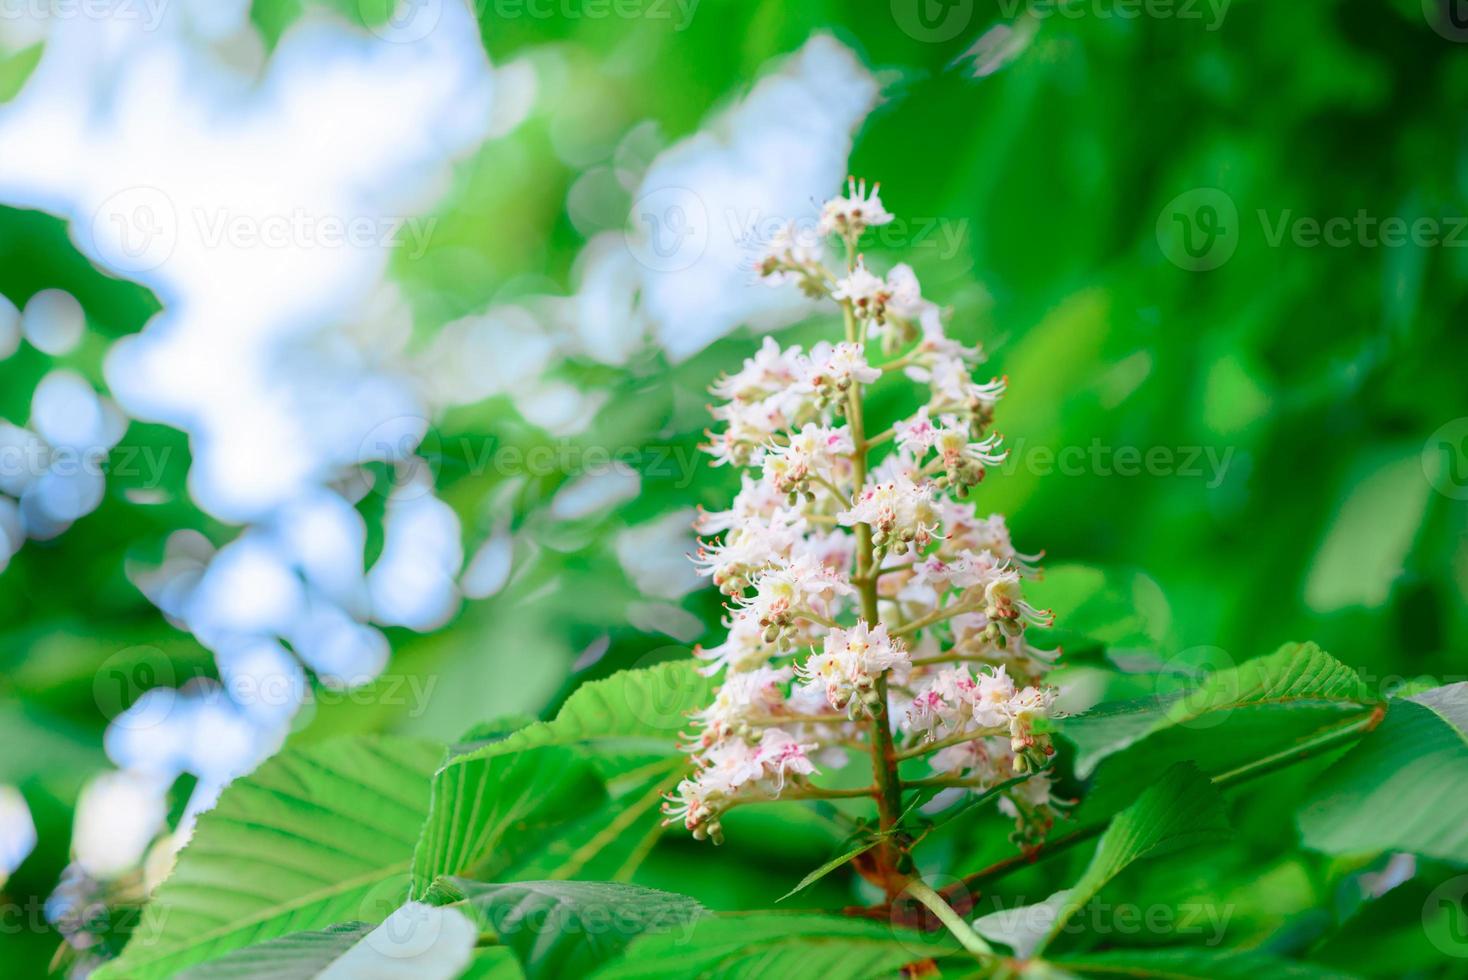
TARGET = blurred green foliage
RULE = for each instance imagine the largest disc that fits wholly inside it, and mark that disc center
(1315, 377)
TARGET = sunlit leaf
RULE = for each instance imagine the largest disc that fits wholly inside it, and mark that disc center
(316, 836)
(766, 944)
(1401, 788)
(642, 710)
(1181, 809)
(487, 809)
(1193, 964)
(1225, 722)
(416, 942)
(299, 956)
(566, 928)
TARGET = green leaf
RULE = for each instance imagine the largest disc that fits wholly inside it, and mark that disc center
(525, 787)
(1193, 964)
(641, 710)
(416, 942)
(487, 810)
(769, 944)
(1402, 787)
(839, 860)
(299, 956)
(494, 963)
(567, 928)
(1181, 809)
(1228, 720)
(1297, 676)
(610, 842)
(316, 836)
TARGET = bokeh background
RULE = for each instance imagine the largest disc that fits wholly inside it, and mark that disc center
(353, 363)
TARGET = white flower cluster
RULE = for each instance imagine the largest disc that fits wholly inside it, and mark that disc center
(872, 608)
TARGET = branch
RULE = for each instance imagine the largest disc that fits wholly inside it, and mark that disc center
(814, 617)
(806, 793)
(884, 753)
(774, 721)
(835, 491)
(943, 743)
(816, 793)
(938, 616)
(880, 438)
(949, 658)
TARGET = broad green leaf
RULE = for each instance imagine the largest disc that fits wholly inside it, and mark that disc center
(488, 810)
(490, 731)
(768, 944)
(1402, 787)
(299, 956)
(1295, 679)
(316, 836)
(641, 710)
(1182, 808)
(567, 928)
(1229, 720)
(1193, 964)
(494, 963)
(416, 942)
(527, 786)
(608, 843)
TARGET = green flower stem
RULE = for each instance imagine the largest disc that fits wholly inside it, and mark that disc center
(817, 793)
(941, 615)
(884, 752)
(954, 922)
(948, 658)
(777, 720)
(943, 743)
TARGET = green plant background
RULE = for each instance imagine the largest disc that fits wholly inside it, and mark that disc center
(1320, 373)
